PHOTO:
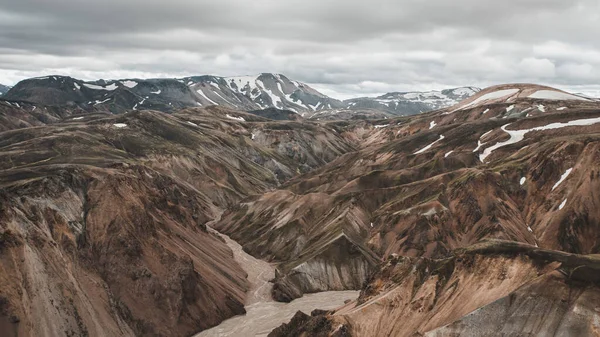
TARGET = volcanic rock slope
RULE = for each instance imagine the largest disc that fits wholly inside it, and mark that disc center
(102, 217)
(518, 163)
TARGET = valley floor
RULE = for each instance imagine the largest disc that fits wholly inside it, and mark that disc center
(263, 313)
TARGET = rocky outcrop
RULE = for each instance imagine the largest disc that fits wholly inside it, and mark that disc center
(339, 265)
(316, 325)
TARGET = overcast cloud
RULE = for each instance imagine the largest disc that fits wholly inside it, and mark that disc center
(343, 48)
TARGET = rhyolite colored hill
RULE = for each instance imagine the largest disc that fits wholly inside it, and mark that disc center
(476, 219)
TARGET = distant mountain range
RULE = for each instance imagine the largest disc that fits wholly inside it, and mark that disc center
(247, 93)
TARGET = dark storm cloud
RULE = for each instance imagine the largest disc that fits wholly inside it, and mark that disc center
(344, 47)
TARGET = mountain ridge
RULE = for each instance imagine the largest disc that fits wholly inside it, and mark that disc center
(247, 93)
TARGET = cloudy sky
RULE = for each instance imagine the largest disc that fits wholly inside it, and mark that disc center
(344, 48)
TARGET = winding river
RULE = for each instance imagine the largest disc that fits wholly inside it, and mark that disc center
(262, 313)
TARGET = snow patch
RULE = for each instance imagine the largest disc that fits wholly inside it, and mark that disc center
(191, 123)
(223, 98)
(206, 97)
(97, 87)
(241, 119)
(510, 108)
(129, 84)
(562, 178)
(556, 95)
(381, 126)
(490, 96)
(120, 125)
(430, 145)
(156, 92)
(541, 107)
(275, 100)
(100, 102)
(523, 180)
(480, 143)
(432, 125)
(562, 205)
(77, 118)
(448, 154)
(518, 135)
(562, 108)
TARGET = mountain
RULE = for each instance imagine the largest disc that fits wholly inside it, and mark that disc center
(3, 89)
(513, 162)
(103, 217)
(394, 104)
(241, 93)
(479, 218)
(246, 93)
(410, 103)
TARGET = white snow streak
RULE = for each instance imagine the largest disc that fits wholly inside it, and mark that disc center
(556, 95)
(562, 204)
(97, 87)
(100, 102)
(518, 135)
(206, 97)
(562, 178)
(241, 119)
(129, 84)
(429, 146)
(492, 95)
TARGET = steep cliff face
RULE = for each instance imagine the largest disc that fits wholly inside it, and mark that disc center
(549, 306)
(118, 251)
(494, 288)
